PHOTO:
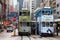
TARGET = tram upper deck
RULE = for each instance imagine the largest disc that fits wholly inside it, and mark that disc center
(44, 11)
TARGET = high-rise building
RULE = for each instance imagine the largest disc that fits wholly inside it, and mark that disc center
(53, 5)
(26, 5)
(20, 4)
(57, 19)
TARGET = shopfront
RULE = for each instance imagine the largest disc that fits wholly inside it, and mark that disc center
(57, 21)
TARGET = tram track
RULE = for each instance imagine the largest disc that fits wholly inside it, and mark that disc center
(27, 37)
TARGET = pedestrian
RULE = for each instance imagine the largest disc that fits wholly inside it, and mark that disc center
(57, 29)
(33, 28)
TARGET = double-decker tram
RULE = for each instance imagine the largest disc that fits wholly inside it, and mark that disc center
(24, 23)
(45, 20)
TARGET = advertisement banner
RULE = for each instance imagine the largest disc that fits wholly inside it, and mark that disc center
(24, 18)
(47, 18)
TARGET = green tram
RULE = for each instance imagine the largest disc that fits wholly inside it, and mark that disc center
(24, 23)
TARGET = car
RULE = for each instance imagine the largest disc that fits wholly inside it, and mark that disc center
(9, 29)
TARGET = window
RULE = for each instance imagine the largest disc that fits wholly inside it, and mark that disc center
(43, 12)
(51, 24)
(57, 5)
(43, 24)
(24, 13)
(57, 12)
(20, 13)
(28, 24)
(47, 24)
(28, 14)
(51, 12)
(46, 12)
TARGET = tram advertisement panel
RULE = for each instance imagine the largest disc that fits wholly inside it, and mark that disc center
(24, 29)
(24, 18)
(47, 18)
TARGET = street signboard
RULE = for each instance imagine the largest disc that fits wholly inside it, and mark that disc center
(13, 16)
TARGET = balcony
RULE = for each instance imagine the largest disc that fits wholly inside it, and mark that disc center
(54, 1)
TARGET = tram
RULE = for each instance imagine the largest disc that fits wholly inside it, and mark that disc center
(24, 23)
(45, 21)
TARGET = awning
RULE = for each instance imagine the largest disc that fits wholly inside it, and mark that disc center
(57, 20)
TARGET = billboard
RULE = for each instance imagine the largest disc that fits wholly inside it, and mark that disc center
(13, 16)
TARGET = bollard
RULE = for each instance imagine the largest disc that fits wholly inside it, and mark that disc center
(14, 32)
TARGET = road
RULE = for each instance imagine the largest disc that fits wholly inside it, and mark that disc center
(9, 36)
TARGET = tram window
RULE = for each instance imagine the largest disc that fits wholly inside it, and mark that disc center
(43, 12)
(20, 13)
(24, 14)
(47, 13)
(24, 24)
(51, 12)
(20, 24)
(51, 24)
(28, 13)
(27, 24)
(43, 24)
(47, 24)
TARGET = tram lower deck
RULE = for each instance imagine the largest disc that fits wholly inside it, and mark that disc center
(27, 28)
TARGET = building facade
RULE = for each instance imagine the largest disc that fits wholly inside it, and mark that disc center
(53, 5)
(3, 9)
(58, 8)
(57, 20)
(20, 4)
(26, 5)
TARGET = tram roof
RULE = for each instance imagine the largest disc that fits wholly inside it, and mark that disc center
(38, 12)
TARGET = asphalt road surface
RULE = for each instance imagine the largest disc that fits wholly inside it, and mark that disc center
(9, 36)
